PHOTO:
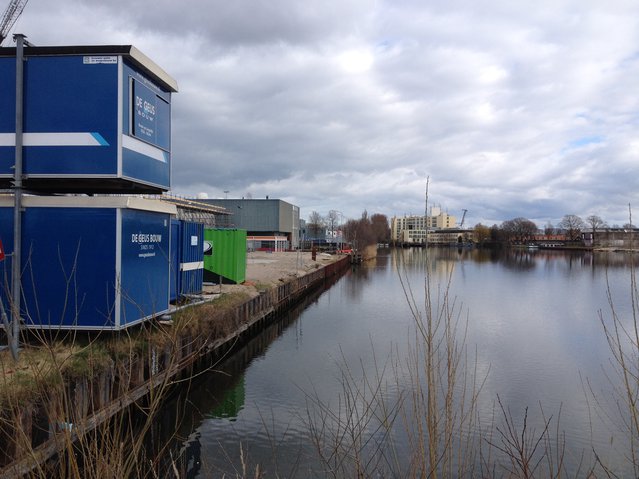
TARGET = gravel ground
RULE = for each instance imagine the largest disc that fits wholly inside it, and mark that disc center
(264, 269)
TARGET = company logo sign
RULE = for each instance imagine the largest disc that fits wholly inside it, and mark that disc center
(146, 243)
(150, 116)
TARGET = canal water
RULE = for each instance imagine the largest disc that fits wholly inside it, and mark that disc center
(328, 390)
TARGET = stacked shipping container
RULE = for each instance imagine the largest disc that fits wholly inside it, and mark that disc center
(96, 120)
(90, 263)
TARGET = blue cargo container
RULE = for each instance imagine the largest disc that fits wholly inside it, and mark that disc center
(187, 258)
(96, 119)
(94, 263)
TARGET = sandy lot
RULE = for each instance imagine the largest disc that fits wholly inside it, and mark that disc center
(265, 269)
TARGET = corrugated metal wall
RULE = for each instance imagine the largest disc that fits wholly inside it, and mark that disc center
(187, 258)
(192, 258)
(174, 284)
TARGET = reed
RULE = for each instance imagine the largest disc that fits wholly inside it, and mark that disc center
(431, 428)
(73, 394)
(435, 414)
(619, 405)
(444, 386)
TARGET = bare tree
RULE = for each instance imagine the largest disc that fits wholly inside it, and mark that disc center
(332, 222)
(482, 233)
(316, 224)
(381, 230)
(549, 229)
(595, 222)
(573, 225)
(519, 229)
(496, 234)
(360, 232)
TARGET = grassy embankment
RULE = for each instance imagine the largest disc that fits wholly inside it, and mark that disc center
(64, 379)
(95, 397)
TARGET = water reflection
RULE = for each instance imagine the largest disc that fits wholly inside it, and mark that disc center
(532, 318)
(217, 395)
(232, 402)
(519, 259)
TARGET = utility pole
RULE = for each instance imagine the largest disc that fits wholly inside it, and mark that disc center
(426, 212)
(16, 260)
(632, 228)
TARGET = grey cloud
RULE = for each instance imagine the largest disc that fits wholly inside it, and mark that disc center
(350, 105)
(236, 23)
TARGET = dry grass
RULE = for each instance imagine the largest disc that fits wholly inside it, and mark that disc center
(61, 374)
(42, 362)
(46, 368)
(39, 369)
(64, 382)
(214, 320)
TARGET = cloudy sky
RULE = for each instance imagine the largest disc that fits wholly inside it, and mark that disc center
(512, 108)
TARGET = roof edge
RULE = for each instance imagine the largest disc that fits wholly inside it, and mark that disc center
(127, 51)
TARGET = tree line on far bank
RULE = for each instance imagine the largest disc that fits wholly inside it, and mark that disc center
(362, 232)
(372, 229)
(522, 229)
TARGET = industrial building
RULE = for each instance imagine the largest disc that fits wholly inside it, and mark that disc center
(270, 223)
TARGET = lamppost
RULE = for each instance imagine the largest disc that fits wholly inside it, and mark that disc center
(16, 261)
(339, 234)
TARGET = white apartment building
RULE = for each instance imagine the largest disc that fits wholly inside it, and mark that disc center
(412, 229)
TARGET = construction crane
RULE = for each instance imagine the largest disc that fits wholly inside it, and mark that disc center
(461, 223)
(9, 17)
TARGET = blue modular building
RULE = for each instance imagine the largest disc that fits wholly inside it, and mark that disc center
(93, 263)
(96, 119)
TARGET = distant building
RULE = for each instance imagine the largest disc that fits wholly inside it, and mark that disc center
(269, 224)
(622, 238)
(413, 229)
(451, 236)
(440, 220)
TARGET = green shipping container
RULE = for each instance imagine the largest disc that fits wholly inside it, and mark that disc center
(225, 255)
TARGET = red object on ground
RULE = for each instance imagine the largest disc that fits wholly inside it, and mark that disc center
(1, 251)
